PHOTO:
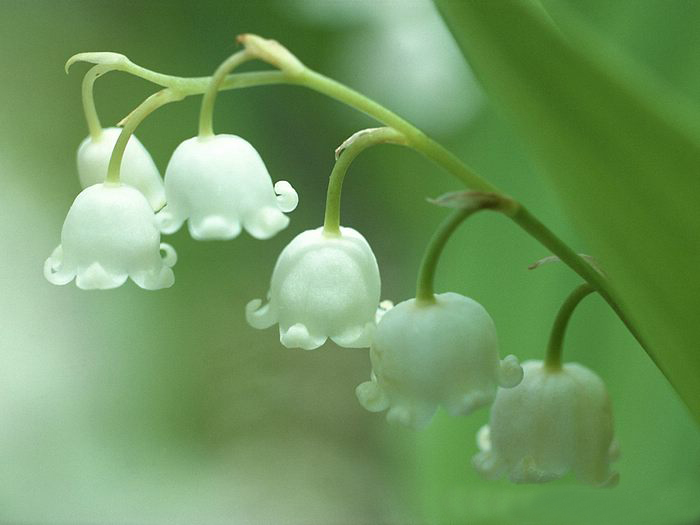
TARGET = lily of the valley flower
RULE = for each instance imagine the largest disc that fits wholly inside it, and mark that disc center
(221, 184)
(555, 421)
(110, 233)
(323, 285)
(137, 168)
(441, 353)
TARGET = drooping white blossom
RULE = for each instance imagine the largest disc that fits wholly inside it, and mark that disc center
(323, 286)
(110, 233)
(220, 184)
(137, 168)
(430, 354)
(553, 422)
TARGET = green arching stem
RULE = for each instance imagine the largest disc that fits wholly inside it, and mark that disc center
(556, 337)
(345, 154)
(415, 139)
(131, 122)
(425, 291)
(206, 114)
(91, 117)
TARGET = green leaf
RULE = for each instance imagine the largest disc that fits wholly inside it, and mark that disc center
(623, 153)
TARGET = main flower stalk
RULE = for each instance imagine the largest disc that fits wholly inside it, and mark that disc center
(416, 139)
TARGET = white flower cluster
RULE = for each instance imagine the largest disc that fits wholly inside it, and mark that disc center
(112, 231)
(544, 422)
(425, 353)
(326, 285)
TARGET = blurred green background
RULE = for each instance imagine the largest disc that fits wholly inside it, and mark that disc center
(136, 407)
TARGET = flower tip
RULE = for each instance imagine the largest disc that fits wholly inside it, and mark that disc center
(510, 373)
(371, 396)
(298, 336)
(259, 316)
(266, 223)
(95, 277)
(52, 268)
(415, 418)
(383, 308)
(214, 228)
(168, 254)
(167, 222)
(355, 336)
(287, 197)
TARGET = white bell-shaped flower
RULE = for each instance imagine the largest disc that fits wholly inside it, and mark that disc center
(110, 233)
(219, 184)
(553, 422)
(442, 353)
(323, 285)
(137, 168)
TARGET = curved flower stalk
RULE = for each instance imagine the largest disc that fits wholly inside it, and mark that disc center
(137, 168)
(323, 285)
(109, 234)
(220, 184)
(557, 420)
(440, 353)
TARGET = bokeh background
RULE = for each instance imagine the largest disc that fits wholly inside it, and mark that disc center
(147, 408)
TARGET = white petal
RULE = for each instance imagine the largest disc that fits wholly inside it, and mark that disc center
(168, 254)
(355, 336)
(258, 316)
(371, 396)
(155, 279)
(483, 439)
(416, 416)
(265, 222)
(54, 269)
(213, 228)
(95, 277)
(467, 403)
(287, 197)
(510, 373)
(487, 464)
(167, 221)
(298, 336)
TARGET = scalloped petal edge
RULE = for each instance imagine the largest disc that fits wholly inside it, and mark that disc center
(298, 336)
(259, 316)
(287, 197)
